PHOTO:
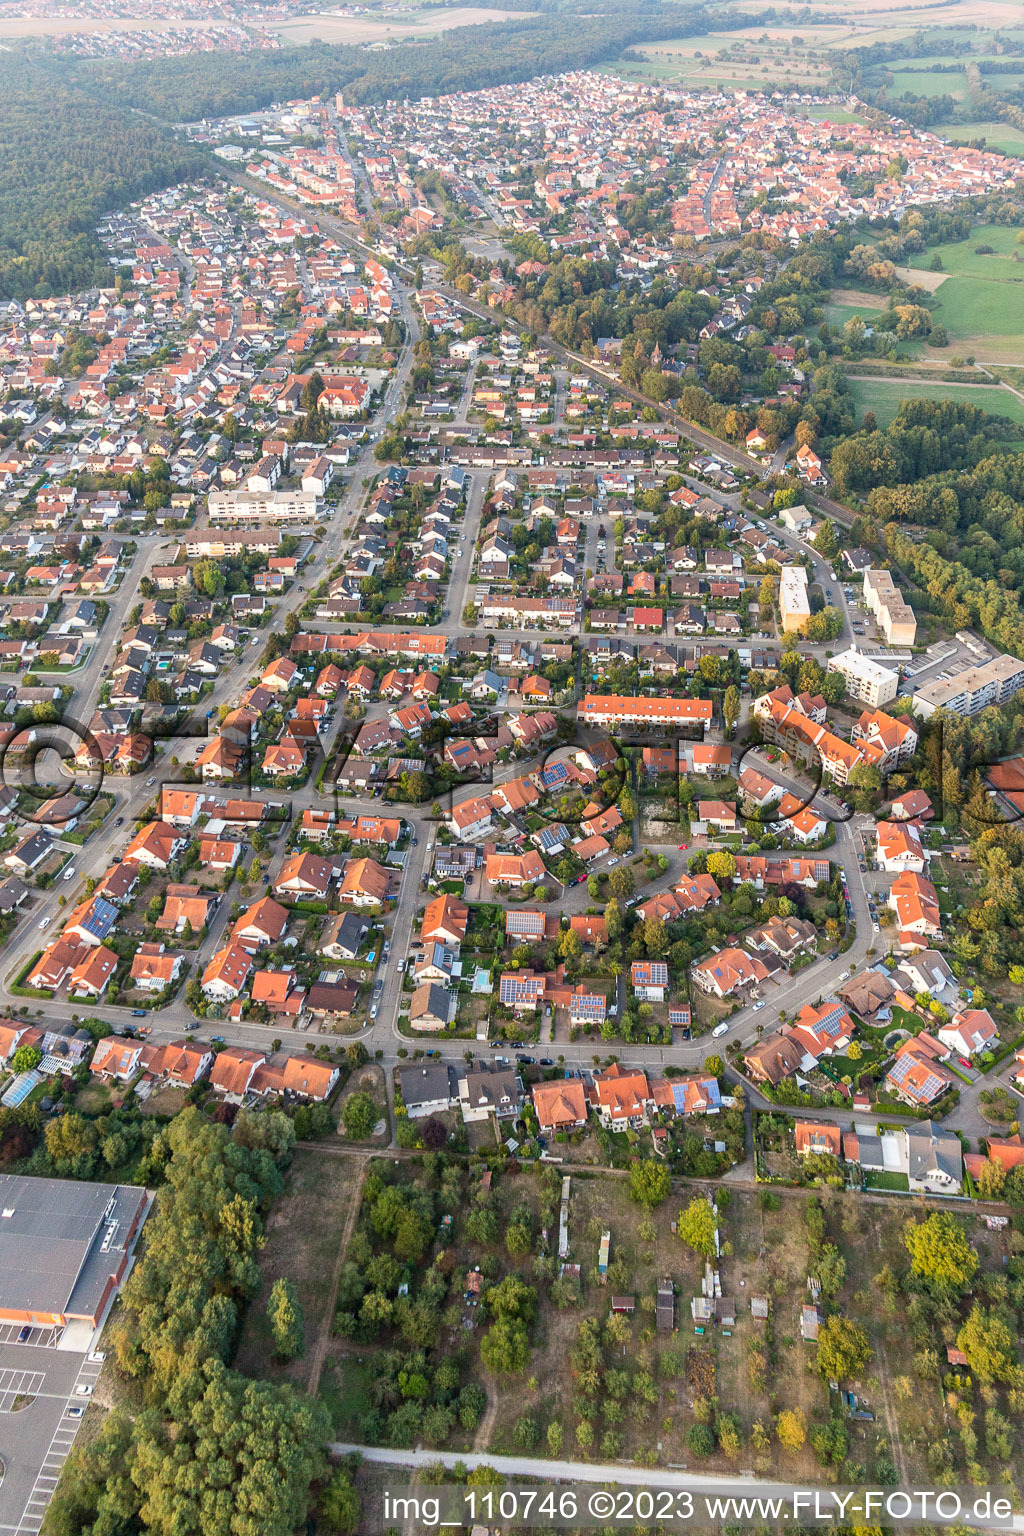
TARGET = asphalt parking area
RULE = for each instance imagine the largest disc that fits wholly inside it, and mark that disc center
(38, 1386)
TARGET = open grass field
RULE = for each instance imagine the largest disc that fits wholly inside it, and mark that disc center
(997, 135)
(884, 397)
(838, 314)
(980, 300)
(923, 82)
(303, 1236)
(987, 317)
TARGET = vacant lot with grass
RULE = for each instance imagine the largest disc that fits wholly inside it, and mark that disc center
(305, 1229)
(884, 397)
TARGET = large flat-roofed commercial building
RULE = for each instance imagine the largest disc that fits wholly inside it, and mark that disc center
(794, 603)
(884, 599)
(973, 689)
(865, 678)
(64, 1247)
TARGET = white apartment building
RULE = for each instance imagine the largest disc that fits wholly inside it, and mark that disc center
(973, 689)
(794, 603)
(865, 678)
(885, 601)
(260, 507)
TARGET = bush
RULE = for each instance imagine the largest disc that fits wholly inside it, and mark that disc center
(700, 1440)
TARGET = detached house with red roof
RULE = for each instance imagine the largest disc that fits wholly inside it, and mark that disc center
(899, 847)
(650, 980)
(917, 1075)
(970, 1032)
(157, 844)
(227, 973)
(729, 971)
(621, 1098)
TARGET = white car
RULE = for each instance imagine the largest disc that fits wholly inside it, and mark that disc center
(759, 1006)
(69, 874)
(85, 1390)
(719, 1029)
(44, 923)
(373, 1011)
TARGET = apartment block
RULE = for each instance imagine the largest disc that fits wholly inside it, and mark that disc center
(794, 603)
(865, 678)
(973, 689)
(885, 601)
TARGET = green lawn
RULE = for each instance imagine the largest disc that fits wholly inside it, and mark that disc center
(885, 397)
(959, 258)
(997, 135)
(982, 300)
(838, 314)
(887, 1181)
(923, 82)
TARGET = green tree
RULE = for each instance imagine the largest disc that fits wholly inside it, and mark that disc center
(940, 1253)
(505, 1347)
(649, 1182)
(266, 1443)
(359, 1115)
(284, 1313)
(26, 1057)
(989, 1346)
(700, 1439)
(696, 1227)
(339, 1504)
(843, 1349)
(731, 708)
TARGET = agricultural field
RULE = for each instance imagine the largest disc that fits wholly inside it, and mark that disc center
(421, 1354)
(332, 27)
(997, 135)
(884, 397)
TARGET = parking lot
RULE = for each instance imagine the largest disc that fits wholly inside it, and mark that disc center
(44, 1391)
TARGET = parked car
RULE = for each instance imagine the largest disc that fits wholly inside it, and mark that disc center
(44, 923)
(719, 1029)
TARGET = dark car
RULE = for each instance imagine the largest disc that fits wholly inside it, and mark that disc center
(517, 1045)
(138, 1013)
(526, 1061)
(24, 1333)
(546, 1061)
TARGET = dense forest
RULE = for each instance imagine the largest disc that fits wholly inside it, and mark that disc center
(176, 1332)
(65, 160)
(465, 59)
